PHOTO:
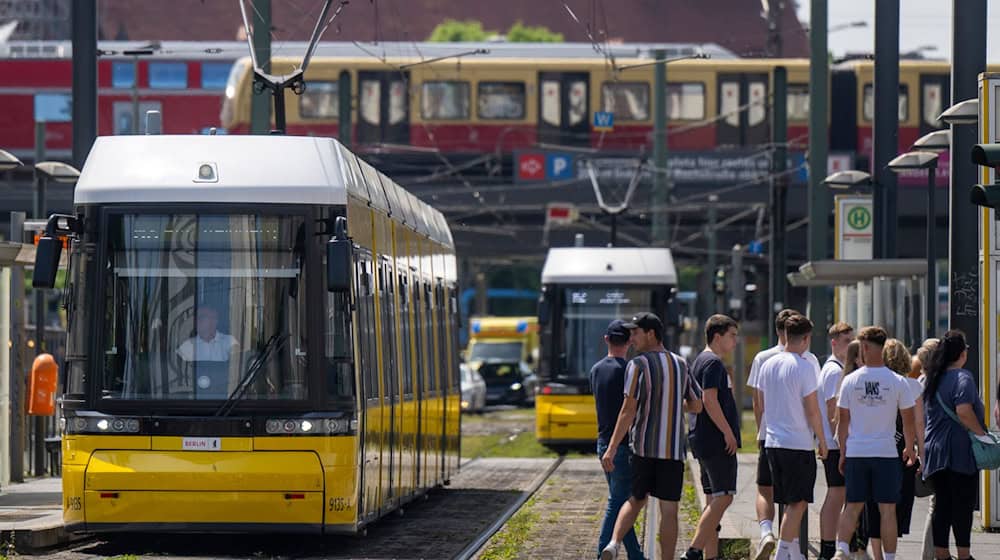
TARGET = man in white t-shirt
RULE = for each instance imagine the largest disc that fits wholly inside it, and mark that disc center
(787, 384)
(840, 336)
(208, 344)
(868, 402)
(765, 486)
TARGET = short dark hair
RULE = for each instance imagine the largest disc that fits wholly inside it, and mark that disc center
(617, 340)
(840, 328)
(718, 325)
(875, 335)
(798, 326)
(783, 315)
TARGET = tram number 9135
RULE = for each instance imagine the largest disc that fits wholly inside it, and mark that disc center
(338, 504)
(74, 503)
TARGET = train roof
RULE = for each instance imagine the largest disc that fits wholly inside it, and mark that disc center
(609, 265)
(391, 49)
(245, 170)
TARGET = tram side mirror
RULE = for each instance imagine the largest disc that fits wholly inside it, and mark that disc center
(339, 259)
(544, 310)
(673, 311)
(47, 255)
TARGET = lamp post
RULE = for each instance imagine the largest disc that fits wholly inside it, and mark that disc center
(843, 180)
(925, 160)
(8, 161)
(963, 112)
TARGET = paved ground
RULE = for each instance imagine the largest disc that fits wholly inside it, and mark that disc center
(740, 520)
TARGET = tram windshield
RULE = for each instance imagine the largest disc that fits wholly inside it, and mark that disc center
(195, 302)
(587, 312)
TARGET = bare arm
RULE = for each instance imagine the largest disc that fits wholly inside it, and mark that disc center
(968, 417)
(831, 414)
(625, 417)
(908, 427)
(710, 398)
(918, 425)
(815, 421)
(758, 406)
(843, 425)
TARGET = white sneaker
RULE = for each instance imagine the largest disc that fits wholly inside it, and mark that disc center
(610, 552)
(841, 555)
(765, 548)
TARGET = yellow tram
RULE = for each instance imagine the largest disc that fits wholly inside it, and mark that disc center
(262, 336)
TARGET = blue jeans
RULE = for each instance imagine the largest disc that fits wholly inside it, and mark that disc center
(620, 488)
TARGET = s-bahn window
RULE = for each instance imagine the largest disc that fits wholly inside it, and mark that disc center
(215, 75)
(123, 74)
(868, 104)
(686, 101)
(371, 101)
(798, 102)
(196, 304)
(932, 94)
(628, 101)
(501, 100)
(397, 102)
(550, 102)
(168, 75)
(757, 112)
(320, 100)
(444, 100)
(577, 102)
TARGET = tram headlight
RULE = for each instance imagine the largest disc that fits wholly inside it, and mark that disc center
(306, 426)
(103, 424)
(273, 426)
(118, 425)
(79, 424)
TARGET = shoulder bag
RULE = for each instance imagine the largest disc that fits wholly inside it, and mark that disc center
(987, 454)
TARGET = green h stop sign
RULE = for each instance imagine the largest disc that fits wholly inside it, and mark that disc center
(859, 218)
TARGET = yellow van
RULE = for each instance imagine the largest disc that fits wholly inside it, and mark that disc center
(504, 350)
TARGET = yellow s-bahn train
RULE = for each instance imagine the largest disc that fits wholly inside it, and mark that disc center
(262, 337)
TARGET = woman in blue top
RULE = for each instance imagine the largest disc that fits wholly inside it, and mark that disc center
(949, 463)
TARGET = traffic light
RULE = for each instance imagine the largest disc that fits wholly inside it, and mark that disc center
(987, 155)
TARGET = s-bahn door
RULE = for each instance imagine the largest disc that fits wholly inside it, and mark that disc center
(563, 108)
(743, 110)
(935, 96)
(384, 107)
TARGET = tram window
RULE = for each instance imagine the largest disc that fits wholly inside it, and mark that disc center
(686, 100)
(551, 102)
(77, 341)
(193, 300)
(868, 104)
(577, 102)
(214, 75)
(444, 100)
(798, 102)
(321, 100)
(405, 343)
(932, 104)
(371, 101)
(168, 75)
(629, 101)
(501, 100)
(123, 74)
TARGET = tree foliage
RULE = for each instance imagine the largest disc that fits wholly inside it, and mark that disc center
(454, 31)
(520, 33)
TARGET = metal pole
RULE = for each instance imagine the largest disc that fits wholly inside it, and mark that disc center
(931, 254)
(344, 108)
(712, 302)
(38, 424)
(737, 297)
(968, 60)
(136, 125)
(819, 132)
(84, 21)
(260, 108)
(614, 230)
(779, 160)
(661, 183)
(885, 143)
(17, 358)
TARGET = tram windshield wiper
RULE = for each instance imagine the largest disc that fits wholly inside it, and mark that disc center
(272, 345)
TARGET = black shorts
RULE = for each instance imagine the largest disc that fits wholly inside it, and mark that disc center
(763, 468)
(878, 479)
(663, 478)
(718, 475)
(831, 466)
(794, 473)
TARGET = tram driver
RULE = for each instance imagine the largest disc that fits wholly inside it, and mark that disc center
(208, 344)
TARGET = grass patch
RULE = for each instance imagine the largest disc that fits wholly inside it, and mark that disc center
(522, 444)
(690, 507)
(748, 433)
(736, 549)
(508, 543)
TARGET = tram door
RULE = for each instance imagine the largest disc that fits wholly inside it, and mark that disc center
(383, 107)
(743, 110)
(563, 108)
(935, 97)
(390, 386)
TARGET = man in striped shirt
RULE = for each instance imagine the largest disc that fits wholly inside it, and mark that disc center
(658, 391)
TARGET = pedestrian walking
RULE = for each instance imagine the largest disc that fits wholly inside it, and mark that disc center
(950, 465)
(840, 336)
(869, 401)
(788, 385)
(658, 390)
(714, 434)
(923, 360)
(607, 382)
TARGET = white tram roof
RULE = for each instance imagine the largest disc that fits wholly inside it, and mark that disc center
(609, 265)
(249, 170)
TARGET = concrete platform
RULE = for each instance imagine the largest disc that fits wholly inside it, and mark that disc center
(31, 511)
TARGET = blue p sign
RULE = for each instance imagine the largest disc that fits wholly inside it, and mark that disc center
(559, 166)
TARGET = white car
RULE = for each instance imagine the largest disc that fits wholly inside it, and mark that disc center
(473, 390)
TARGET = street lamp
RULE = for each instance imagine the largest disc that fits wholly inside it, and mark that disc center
(8, 161)
(937, 141)
(963, 112)
(843, 180)
(925, 160)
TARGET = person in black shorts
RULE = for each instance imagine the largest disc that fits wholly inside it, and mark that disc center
(840, 336)
(714, 434)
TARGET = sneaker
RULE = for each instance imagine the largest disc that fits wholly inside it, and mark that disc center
(841, 555)
(693, 555)
(610, 552)
(766, 547)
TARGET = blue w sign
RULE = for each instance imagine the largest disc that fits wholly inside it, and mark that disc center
(604, 120)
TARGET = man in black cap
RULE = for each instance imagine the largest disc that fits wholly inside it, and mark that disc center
(607, 381)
